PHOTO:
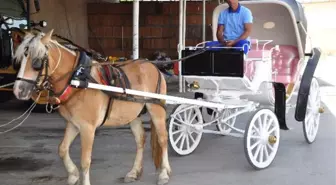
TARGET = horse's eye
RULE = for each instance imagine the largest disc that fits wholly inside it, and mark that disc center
(16, 64)
(26, 51)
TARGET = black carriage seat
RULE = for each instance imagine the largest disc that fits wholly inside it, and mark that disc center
(5, 50)
(221, 63)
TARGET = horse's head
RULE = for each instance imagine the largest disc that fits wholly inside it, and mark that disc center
(34, 59)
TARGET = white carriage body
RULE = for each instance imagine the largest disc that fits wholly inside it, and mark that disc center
(278, 42)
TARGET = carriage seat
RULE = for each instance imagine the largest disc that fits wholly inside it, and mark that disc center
(284, 61)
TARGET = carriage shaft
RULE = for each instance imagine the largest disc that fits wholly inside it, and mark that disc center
(168, 98)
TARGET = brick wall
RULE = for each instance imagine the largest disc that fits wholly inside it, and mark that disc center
(111, 25)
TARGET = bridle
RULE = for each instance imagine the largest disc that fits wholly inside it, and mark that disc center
(40, 65)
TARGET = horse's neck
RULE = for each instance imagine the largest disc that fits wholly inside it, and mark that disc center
(63, 70)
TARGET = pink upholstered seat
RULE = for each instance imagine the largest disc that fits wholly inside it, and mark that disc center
(285, 61)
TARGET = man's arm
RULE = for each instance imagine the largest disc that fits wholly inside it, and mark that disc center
(247, 32)
(248, 20)
(220, 36)
(220, 28)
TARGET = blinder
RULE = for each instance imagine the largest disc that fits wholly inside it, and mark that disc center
(38, 63)
(16, 64)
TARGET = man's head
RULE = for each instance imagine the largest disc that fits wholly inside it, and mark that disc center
(232, 3)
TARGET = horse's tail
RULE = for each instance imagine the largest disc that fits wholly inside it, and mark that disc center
(156, 148)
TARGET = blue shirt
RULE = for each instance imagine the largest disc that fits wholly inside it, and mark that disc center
(234, 21)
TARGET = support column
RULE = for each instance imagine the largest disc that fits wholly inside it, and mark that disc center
(135, 29)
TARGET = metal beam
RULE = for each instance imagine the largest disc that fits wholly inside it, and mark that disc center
(135, 29)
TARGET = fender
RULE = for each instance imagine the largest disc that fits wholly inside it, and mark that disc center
(302, 98)
(280, 104)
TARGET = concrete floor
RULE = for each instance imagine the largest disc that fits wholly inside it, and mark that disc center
(28, 155)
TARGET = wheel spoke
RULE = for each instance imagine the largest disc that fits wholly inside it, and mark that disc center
(309, 116)
(180, 120)
(178, 139)
(261, 156)
(257, 152)
(259, 123)
(270, 147)
(182, 142)
(266, 152)
(177, 124)
(256, 129)
(317, 97)
(255, 137)
(192, 137)
(310, 126)
(187, 139)
(189, 115)
(193, 118)
(179, 116)
(265, 123)
(185, 115)
(176, 132)
(257, 143)
(272, 130)
(269, 123)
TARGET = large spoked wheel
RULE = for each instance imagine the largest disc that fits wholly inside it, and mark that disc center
(312, 119)
(185, 129)
(261, 139)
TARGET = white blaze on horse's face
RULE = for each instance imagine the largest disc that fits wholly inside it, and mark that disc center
(29, 52)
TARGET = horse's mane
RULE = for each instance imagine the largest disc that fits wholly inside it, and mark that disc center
(36, 49)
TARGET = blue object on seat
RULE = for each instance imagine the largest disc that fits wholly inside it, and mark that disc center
(245, 44)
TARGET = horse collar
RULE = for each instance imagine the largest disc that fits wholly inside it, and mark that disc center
(83, 68)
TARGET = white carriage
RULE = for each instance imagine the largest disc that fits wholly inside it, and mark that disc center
(226, 84)
(266, 82)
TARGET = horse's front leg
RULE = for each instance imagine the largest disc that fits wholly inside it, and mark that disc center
(87, 133)
(139, 134)
(70, 134)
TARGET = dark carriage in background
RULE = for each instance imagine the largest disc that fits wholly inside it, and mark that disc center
(275, 75)
(14, 20)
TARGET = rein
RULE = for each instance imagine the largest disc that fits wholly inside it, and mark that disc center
(43, 63)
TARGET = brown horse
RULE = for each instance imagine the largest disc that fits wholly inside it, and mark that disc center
(46, 63)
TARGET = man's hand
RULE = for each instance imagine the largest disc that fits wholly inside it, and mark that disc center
(230, 43)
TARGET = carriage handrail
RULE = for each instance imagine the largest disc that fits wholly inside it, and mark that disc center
(310, 39)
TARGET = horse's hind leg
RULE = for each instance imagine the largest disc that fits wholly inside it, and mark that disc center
(139, 134)
(159, 138)
(70, 134)
(87, 134)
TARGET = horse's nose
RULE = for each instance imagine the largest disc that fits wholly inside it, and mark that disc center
(23, 90)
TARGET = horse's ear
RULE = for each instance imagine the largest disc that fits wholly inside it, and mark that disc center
(47, 37)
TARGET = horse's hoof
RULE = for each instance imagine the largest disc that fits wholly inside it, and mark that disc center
(163, 181)
(128, 179)
(73, 179)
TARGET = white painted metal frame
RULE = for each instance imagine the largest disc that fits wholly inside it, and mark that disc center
(169, 99)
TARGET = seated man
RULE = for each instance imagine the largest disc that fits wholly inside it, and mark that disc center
(234, 27)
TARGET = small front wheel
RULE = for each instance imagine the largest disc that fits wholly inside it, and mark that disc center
(185, 129)
(261, 139)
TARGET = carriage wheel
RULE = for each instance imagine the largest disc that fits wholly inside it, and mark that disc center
(312, 119)
(261, 139)
(184, 138)
(222, 126)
